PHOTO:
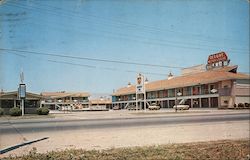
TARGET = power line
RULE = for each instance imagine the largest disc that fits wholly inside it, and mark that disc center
(169, 43)
(20, 55)
(90, 59)
(117, 21)
(91, 66)
(115, 36)
(70, 63)
(105, 68)
(85, 19)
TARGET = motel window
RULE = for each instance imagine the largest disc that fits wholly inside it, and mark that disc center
(186, 91)
(7, 103)
(165, 93)
(161, 94)
(149, 95)
(179, 90)
(31, 104)
(118, 98)
(213, 86)
(171, 92)
(153, 94)
(204, 89)
(130, 97)
(196, 90)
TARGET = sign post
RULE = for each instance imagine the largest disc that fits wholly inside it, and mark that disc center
(140, 89)
(22, 92)
(22, 95)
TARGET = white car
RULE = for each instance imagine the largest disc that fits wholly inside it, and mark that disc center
(181, 107)
(154, 106)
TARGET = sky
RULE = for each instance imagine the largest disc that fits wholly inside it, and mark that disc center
(89, 37)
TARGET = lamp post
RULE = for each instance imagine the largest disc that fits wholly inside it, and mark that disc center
(214, 90)
(177, 94)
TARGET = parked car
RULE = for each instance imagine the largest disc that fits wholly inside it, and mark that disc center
(116, 107)
(154, 106)
(132, 107)
(182, 107)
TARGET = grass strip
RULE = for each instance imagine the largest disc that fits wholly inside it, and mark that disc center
(214, 150)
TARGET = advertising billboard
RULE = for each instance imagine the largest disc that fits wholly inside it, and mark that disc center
(217, 60)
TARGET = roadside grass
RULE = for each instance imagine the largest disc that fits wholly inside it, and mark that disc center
(214, 150)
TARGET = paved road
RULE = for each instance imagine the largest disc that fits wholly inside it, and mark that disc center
(58, 125)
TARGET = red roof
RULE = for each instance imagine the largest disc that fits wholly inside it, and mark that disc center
(210, 76)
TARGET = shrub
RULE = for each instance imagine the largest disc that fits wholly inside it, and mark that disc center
(240, 105)
(1, 111)
(15, 111)
(43, 111)
(247, 105)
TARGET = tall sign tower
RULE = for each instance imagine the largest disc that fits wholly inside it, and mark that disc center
(140, 89)
(22, 92)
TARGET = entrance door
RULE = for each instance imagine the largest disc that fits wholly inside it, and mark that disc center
(196, 103)
(204, 103)
(214, 102)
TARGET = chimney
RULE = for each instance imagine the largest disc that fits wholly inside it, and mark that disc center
(146, 80)
(170, 75)
(129, 84)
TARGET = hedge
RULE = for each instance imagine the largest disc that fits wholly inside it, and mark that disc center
(15, 111)
(43, 111)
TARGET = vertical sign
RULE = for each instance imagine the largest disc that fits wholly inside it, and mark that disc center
(22, 95)
(140, 89)
(139, 84)
(22, 91)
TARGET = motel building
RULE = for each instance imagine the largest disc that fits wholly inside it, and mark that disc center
(100, 104)
(214, 85)
(11, 99)
(65, 100)
(73, 101)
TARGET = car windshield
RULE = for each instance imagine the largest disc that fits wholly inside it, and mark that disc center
(182, 101)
